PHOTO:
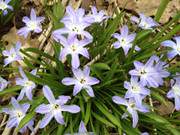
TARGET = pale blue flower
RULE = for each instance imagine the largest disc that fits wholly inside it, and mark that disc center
(3, 83)
(131, 108)
(74, 47)
(75, 23)
(144, 22)
(17, 113)
(81, 80)
(55, 108)
(175, 91)
(175, 47)
(82, 128)
(125, 39)
(32, 24)
(13, 54)
(27, 85)
(136, 90)
(98, 16)
(151, 73)
(4, 6)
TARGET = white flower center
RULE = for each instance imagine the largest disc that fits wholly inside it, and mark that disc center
(176, 89)
(3, 5)
(123, 41)
(135, 88)
(20, 115)
(56, 106)
(142, 71)
(132, 105)
(32, 25)
(178, 49)
(82, 81)
(28, 83)
(75, 28)
(73, 48)
(13, 55)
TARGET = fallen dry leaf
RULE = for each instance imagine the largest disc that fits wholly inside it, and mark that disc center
(165, 109)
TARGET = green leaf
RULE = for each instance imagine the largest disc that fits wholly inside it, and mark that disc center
(161, 9)
(162, 121)
(10, 90)
(88, 112)
(101, 66)
(101, 119)
(58, 10)
(26, 119)
(107, 114)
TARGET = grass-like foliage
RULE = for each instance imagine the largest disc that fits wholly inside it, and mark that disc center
(103, 74)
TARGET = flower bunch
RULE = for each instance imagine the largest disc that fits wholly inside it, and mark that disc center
(65, 93)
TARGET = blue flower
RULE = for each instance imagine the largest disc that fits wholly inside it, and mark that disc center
(175, 47)
(27, 85)
(17, 113)
(13, 54)
(144, 22)
(131, 108)
(81, 80)
(82, 128)
(75, 23)
(74, 47)
(136, 90)
(55, 108)
(98, 16)
(125, 39)
(3, 83)
(152, 73)
(32, 24)
(175, 91)
(4, 6)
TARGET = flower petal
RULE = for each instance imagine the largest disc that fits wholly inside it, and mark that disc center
(77, 89)
(75, 62)
(48, 94)
(119, 100)
(59, 118)
(70, 108)
(69, 81)
(43, 108)
(47, 118)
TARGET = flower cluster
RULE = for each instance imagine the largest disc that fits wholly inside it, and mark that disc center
(76, 22)
(148, 75)
(74, 38)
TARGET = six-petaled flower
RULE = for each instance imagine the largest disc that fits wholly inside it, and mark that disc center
(3, 83)
(144, 22)
(13, 54)
(151, 73)
(74, 47)
(136, 90)
(175, 91)
(81, 80)
(27, 85)
(131, 107)
(125, 39)
(55, 107)
(17, 113)
(175, 47)
(32, 24)
(75, 23)
(98, 16)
